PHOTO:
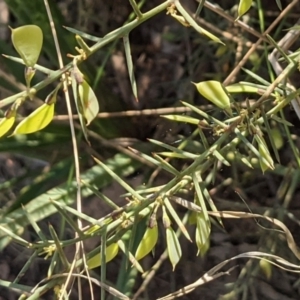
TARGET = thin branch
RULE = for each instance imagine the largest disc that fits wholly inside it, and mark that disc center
(136, 9)
(235, 71)
(79, 245)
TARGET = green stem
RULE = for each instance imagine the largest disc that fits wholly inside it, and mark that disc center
(136, 9)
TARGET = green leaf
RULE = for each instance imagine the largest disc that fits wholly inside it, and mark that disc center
(129, 255)
(111, 252)
(265, 159)
(58, 248)
(266, 268)
(176, 218)
(164, 164)
(83, 34)
(130, 66)
(147, 243)
(37, 120)
(28, 41)
(190, 20)
(264, 152)
(118, 179)
(89, 102)
(173, 245)
(7, 122)
(278, 2)
(184, 119)
(244, 6)
(202, 234)
(278, 139)
(76, 79)
(242, 87)
(183, 154)
(214, 92)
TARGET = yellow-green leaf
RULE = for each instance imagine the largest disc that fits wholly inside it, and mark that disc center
(6, 123)
(268, 162)
(264, 152)
(28, 41)
(277, 137)
(89, 102)
(37, 120)
(242, 88)
(76, 79)
(147, 243)
(111, 252)
(193, 218)
(266, 268)
(202, 234)
(173, 245)
(214, 91)
(244, 6)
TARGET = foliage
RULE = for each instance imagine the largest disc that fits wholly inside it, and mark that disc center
(242, 131)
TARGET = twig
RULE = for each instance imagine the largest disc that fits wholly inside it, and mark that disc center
(79, 245)
(136, 9)
(235, 71)
(285, 43)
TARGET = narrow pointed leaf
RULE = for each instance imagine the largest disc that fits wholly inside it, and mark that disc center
(270, 136)
(264, 152)
(59, 248)
(184, 119)
(176, 218)
(83, 34)
(221, 158)
(35, 226)
(76, 79)
(28, 41)
(166, 166)
(174, 149)
(246, 161)
(118, 179)
(189, 20)
(172, 155)
(278, 2)
(244, 88)
(202, 234)
(173, 245)
(130, 256)
(37, 120)
(265, 159)
(130, 66)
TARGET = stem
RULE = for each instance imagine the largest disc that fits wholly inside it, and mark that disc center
(136, 9)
